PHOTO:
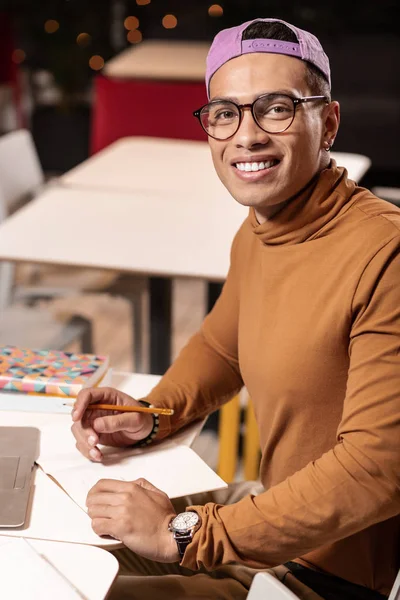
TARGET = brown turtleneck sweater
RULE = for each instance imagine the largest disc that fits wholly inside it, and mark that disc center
(309, 321)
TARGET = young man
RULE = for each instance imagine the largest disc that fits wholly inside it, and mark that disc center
(309, 321)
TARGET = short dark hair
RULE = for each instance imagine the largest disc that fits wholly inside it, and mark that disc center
(316, 80)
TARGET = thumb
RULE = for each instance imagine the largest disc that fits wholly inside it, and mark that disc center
(131, 423)
(143, 483)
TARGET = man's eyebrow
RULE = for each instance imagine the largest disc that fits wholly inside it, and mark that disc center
(235, 100)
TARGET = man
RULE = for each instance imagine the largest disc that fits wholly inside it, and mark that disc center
(309, 321)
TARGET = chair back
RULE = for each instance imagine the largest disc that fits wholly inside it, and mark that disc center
(395, 591)
(265, 586)
(21, 173)
(7, 269)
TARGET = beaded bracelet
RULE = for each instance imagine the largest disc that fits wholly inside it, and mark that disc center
(156, 423)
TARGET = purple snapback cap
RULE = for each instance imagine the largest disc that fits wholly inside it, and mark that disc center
(228, 44)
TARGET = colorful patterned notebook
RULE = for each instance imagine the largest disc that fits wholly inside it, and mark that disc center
(49, 371)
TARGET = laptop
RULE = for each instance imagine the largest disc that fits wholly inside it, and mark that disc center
(19, 448)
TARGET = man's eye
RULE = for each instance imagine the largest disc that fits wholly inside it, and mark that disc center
(224, 115)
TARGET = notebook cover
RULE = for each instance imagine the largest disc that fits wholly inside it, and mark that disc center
(49, 371)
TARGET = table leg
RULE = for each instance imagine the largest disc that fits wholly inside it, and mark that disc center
(214, 290)
(160, 324)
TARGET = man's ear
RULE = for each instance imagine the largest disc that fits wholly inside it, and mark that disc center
(332, 121)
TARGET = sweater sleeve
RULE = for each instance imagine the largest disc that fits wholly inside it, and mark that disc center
(206, 373)
(350, 487)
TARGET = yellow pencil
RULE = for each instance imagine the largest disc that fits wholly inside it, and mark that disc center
(119, 408)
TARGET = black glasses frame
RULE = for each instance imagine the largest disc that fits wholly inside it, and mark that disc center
(242, 107)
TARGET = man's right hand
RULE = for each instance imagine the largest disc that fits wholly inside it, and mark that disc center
(93, 427)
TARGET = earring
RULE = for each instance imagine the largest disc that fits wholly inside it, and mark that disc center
(328, 146)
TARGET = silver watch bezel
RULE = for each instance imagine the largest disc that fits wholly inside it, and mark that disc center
(187, 529)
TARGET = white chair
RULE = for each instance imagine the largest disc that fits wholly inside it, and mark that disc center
(21, 177)
(395, 591)
(391, 194)
(35, 327)
(267, 587)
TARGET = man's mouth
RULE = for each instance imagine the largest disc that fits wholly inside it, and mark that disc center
(255, 166)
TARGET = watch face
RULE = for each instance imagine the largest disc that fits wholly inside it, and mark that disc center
(185, 521)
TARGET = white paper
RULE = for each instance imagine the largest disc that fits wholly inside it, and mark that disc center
(170, 465)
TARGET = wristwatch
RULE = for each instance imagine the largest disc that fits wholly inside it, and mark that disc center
(183, 527)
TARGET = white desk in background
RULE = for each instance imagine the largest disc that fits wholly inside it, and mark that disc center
(177, 167)
(155, 164)
(86, 571)
(159, 234)
(159, 60)
(142, 206)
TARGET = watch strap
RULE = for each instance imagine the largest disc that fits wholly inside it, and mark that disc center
(183, 540)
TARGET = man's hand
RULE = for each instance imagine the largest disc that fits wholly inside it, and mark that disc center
(137, 514)
(92, 427)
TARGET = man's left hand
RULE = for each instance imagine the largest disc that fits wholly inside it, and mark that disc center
(136, 513)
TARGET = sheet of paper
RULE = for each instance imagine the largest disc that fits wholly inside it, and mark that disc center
(170, 465)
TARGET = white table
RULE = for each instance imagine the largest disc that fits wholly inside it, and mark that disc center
(144, 206)
(52, 514)
(143, 163)
(90, 570)
(151, 233)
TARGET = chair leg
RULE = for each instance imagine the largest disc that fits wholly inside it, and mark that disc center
(86, 338)
(138, 333)
(251, 451)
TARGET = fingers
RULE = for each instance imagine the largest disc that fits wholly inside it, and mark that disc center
(143, 483)
(91, 396)
(94, 427)
(131, 422)
(86, 442)
(104, 526)
(112, 486)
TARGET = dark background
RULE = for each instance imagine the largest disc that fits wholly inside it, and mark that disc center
(361, 39)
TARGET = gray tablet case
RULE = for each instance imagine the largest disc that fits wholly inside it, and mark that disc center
(19, 448)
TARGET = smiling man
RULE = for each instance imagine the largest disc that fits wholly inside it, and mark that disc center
(309, 321)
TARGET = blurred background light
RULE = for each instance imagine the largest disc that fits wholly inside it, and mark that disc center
(18, 56)
(134, 36)
(131, 23)
(169, 21)
(96, 62)
(51, 26)
(83, 39)
(215, 10)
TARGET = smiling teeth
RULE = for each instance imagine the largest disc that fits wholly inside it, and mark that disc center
(254, 166)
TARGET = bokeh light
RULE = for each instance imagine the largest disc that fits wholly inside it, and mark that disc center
(18, 56)
(134, 36)
(169, 21)
(215, 10)
(96, 62)
(131, 23)
(142, 2)
(51, 26)
(83, 39)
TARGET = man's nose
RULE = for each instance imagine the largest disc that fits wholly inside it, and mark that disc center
(249, 132)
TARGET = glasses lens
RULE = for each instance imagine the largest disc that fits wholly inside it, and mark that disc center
(274, 112)
(220, 119)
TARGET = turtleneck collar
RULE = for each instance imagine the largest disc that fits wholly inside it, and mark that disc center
(308, 212)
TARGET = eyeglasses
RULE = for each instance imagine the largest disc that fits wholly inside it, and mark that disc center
(273, 113)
